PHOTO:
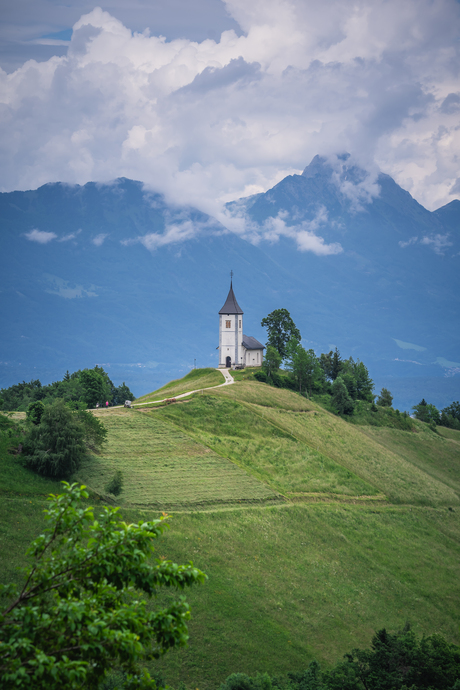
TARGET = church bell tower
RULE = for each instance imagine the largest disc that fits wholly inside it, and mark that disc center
(230, 331)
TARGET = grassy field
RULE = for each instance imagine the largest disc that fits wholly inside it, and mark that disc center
(310, 581)
(366, 536)
(437, 456)
(297, 447)
(452, 434)
(194, 380)
(164, 468)
(242, 433)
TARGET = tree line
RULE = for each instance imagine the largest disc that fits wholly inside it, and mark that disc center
(82, 389)
(345, 382)
(59, 434)
(448, 417)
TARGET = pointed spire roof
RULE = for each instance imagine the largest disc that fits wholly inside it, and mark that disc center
(231, 306)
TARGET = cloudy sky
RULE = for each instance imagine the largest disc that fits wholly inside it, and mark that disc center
(210, 100)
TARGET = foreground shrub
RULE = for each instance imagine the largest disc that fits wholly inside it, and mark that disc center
(80, 613)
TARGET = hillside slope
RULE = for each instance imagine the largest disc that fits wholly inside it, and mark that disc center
(313, 532)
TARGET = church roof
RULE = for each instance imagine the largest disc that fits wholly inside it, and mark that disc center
(231, 306)
(251, 343)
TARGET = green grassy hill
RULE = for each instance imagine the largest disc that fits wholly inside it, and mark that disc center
(194, 380)
(314, 532)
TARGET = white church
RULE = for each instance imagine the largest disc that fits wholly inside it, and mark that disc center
(236, 350)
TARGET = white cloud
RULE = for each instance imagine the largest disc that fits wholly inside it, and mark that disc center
(303, 234)
(409, 242)
(70, 236)
(175, 233)
(62, 288)
(208, 121)
(99, 239)
(437, 242)
(40, 236)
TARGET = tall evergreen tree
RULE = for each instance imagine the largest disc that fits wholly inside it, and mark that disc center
(385, 398)
(336, 364)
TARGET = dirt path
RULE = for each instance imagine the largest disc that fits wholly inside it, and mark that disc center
(225, 373)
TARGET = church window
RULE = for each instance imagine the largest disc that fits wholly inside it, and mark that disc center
(228, 324)
(240, 323)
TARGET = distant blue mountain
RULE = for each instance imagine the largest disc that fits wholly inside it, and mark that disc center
(96, 290)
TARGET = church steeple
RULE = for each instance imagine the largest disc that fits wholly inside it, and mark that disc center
(230, 331)
(231, 306)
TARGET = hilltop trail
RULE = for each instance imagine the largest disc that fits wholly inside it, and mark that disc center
(225, 373)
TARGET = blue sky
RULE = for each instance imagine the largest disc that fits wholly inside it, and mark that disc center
(208, 101)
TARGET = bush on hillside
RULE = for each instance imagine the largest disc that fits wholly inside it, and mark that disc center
(341, 399)
(115, 486)
(427, 413)
(35, 411)
(241, 681)
(261, 376)
(385, 398)
(395, 661)
(57, 446)
(370, 414)
(272, 361)
(450, 416)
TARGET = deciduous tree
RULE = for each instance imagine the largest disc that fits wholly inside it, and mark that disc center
(341, 398)
(55, 448)
(35, 411)
(80, 611)
(272, 361)
(426, 412)
(281, 329)
(303, 365)
(58, 444)
(95, 388)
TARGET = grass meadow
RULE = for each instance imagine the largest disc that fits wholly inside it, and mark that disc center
(194, 380)
(298, 447)
(267, 452)
(164, 468)
(287, 585)
(314, 532)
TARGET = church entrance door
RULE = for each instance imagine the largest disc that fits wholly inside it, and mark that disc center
(228, 362)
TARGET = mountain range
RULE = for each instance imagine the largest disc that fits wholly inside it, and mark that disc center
(112, 274)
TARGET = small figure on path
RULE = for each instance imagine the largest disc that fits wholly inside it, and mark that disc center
(97, 406)
(107, 404)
